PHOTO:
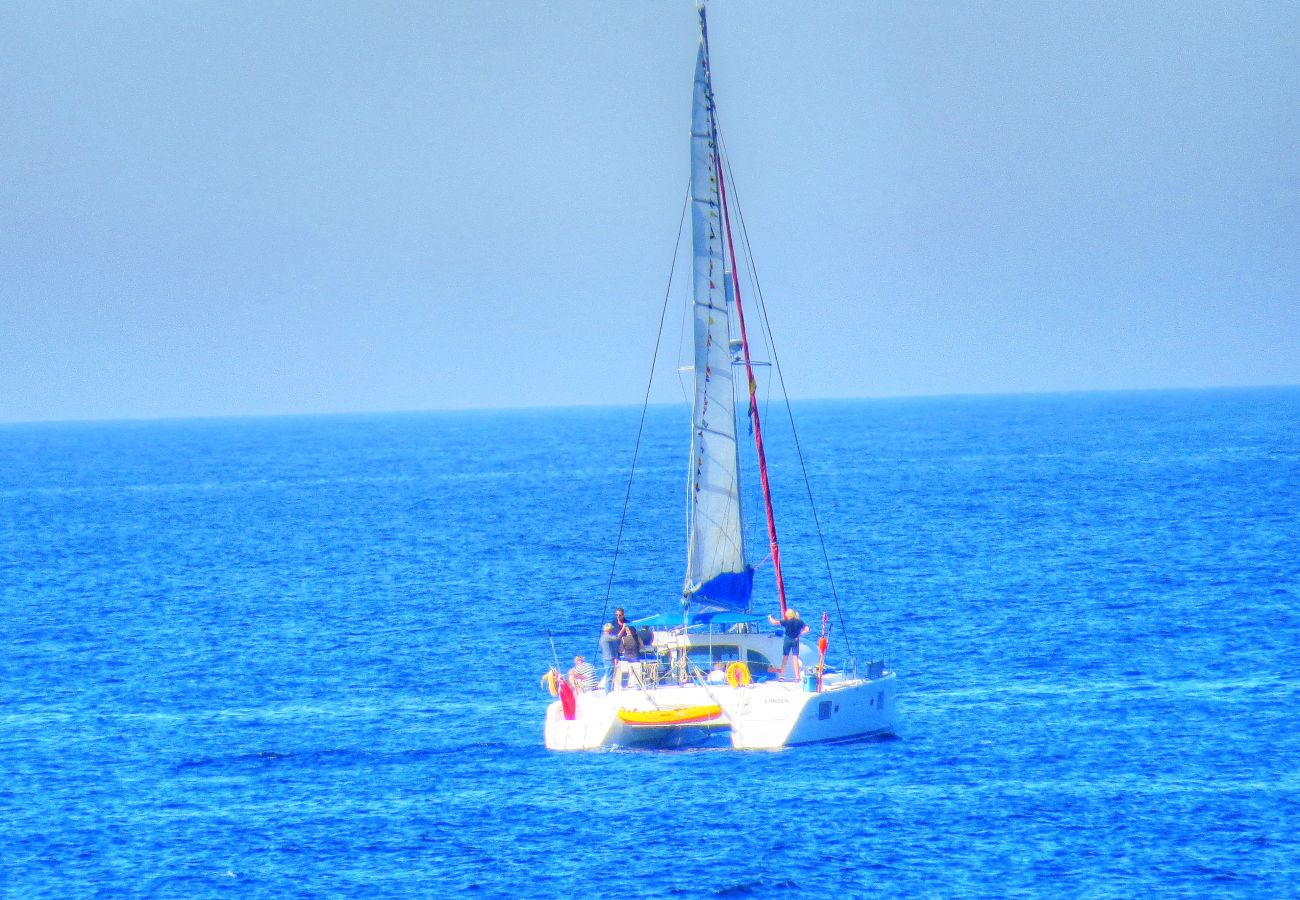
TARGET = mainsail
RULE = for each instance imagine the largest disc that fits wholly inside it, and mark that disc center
(717, 576)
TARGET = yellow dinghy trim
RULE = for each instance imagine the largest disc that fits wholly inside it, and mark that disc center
(681, 715)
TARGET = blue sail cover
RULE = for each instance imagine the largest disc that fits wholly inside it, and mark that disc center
(717, 575)
(729, 591)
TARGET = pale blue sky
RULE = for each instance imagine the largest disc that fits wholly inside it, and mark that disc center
(219, 208)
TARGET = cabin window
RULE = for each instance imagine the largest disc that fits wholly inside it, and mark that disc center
(880, 700)
(824, 709)
(757, 661)
(716, 653)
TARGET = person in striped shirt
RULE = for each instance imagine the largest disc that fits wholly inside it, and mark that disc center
(582, 677)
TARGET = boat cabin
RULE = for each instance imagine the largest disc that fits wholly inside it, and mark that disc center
(683, 651)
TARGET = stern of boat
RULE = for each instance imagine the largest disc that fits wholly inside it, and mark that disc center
(775, 715)
(590, 728)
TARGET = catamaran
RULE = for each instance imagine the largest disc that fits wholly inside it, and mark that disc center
(706, 673)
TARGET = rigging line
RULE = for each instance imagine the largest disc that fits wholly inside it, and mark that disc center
(554, 653)
(750, 271)
(681, 353)
(640, 430)
(776, 364)
(638, 673)
(754, 416)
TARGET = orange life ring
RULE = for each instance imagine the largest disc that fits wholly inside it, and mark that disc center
(738, 674)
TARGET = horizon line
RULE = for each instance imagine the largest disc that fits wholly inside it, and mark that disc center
(346, 413)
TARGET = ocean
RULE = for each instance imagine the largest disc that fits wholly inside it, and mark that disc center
(300, 657)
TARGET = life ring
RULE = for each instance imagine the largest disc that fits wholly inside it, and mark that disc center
(549, 680)
(738, 674)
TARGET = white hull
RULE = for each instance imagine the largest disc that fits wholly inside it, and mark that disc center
(851, 709)
(761, 716)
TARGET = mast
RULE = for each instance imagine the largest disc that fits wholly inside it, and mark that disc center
(744, 340)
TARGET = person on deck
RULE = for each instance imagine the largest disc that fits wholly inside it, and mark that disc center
(718, 674)
(794, 628)
(608, 645)
(582, 677)
(620, 622)
(629, 644)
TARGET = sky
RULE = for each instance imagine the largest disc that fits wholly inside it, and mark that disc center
(247, 208)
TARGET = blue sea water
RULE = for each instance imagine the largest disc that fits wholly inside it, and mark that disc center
(299, 657)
